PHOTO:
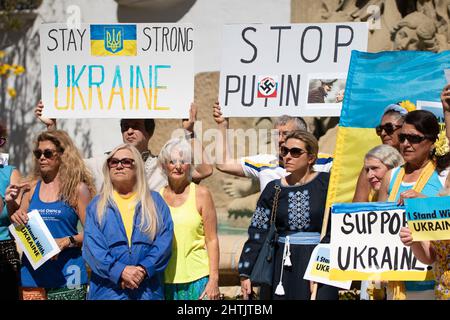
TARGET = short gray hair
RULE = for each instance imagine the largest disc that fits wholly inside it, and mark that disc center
(299, 122)
(388, 155)
(179, 144)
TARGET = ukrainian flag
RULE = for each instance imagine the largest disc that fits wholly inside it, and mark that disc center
(113, 40)
(374, 81)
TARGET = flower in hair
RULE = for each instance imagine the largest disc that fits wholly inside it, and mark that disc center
(441, 144)
(408, 105)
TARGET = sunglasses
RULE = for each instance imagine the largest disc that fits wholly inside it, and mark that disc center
(412, 138)
(126, 162)
(135, 126)
(48, 153)
(2, 141)
(389, 128)
(295, 152)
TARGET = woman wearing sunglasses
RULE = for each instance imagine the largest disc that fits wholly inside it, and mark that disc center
(9, 257)
(128, 233)
(423, 175)
(387, 130)
(299, 217)
(61, 188)
(193, 270)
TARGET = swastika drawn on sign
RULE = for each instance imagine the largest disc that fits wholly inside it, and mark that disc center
(267, 87)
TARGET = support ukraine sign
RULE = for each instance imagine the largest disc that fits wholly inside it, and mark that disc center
(374, 81)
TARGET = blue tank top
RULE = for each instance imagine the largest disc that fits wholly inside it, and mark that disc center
(431, 189)
(69, 269)
(5, 177)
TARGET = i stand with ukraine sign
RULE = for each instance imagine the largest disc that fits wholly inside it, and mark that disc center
(374, 81)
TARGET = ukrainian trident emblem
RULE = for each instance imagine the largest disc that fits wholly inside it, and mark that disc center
(114, 39)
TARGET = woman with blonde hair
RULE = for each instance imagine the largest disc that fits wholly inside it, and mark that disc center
(61, 188)
(128, 233)
(193, 270)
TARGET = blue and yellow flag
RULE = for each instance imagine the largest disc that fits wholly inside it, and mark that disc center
(374, 81)
(113, 40)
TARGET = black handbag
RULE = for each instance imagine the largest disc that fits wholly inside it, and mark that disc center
(262, 273)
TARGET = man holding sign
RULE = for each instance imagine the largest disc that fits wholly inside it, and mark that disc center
(138, 133)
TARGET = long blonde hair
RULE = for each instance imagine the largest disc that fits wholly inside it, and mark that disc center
(149, 219)
(72, 170)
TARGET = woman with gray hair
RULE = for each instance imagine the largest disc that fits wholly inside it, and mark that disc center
(388, 130)
(193, 270)
(128, 233)
(377, 162)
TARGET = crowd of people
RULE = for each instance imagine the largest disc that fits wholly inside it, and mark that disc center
(133, 225)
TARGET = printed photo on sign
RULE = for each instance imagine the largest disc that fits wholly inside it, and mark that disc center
(366, 244)
(326, 90)
(117, 70)
(318, 269)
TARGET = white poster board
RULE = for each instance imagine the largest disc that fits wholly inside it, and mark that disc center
(271, 70)
(435, 108)
(117, 70)
(4, 158)
(35, 240)
(365, 244)
(318, 269)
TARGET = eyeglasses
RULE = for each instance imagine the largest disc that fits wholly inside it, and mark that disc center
(295, 152)
(389, 128)
(134, 125)
(412, 138)
(177, 161)
(2, 141)
(48, 153)
(126, 162)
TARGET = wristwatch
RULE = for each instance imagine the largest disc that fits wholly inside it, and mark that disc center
(72, 241)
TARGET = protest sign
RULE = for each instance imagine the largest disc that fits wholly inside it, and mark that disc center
(366, 245)
(435, 108)
(117, 70)
(35, 240)
(318, 269)
(4, 158)
(294, 69)
(428, 218)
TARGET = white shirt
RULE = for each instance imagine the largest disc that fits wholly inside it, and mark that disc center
(265, 167)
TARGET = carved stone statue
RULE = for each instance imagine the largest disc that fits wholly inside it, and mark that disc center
(416, 31)
(425, 23)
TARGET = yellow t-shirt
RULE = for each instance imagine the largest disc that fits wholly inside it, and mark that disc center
(189, 260)
(127, 206)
